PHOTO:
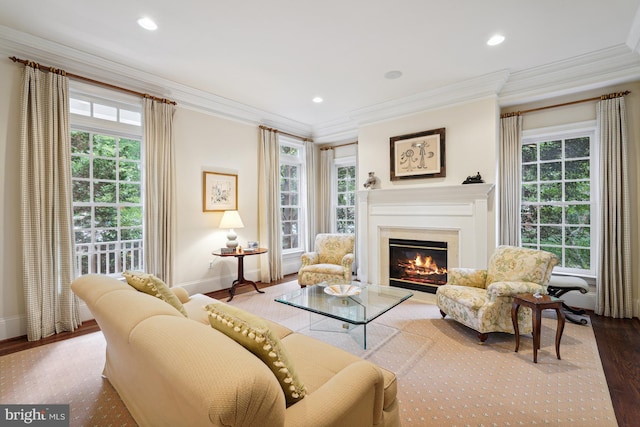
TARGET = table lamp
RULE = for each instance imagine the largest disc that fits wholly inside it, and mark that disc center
(231, 220)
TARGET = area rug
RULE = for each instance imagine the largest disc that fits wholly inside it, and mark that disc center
(445, 378)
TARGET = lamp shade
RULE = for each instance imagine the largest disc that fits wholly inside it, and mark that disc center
(231, 219)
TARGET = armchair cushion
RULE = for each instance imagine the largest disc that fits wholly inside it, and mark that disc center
(331, 261)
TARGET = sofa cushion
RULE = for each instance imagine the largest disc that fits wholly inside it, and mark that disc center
(254, 334)
(152, 285)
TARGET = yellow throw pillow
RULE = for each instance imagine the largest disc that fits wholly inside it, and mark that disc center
(152, 285)
(253, 334)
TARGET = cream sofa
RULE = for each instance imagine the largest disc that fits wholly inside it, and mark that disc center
(171, 370)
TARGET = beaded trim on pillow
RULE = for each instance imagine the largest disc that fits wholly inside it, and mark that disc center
(154, 286)
(253, 333)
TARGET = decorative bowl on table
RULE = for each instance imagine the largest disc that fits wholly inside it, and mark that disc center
(342, 290)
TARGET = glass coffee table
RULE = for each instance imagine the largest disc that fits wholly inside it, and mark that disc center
(355, 310)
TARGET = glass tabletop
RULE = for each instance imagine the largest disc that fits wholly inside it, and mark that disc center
(371, 302)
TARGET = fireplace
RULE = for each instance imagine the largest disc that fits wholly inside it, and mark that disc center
(417, 264)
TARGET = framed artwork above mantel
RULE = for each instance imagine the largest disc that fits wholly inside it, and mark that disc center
(418, 155)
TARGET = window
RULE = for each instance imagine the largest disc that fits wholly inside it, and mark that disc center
(108, 194)
(344, 196)
(292, 194)
(558, 198)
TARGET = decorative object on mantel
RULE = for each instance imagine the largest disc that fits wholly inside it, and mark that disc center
(476, 179)
(418, 155)
(371, 181)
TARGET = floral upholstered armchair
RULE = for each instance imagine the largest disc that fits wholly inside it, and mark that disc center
(331, 261)
(482, 299)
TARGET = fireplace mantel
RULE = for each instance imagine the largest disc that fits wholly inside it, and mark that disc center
(461, 211)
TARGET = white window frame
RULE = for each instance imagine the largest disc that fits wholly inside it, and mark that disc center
(299, 161)
(338, 163)
(568, 131)
(94, 125)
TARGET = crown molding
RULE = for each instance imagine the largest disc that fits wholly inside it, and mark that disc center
(594, 70)
(16, 43)
(633, 38)
(457, 93)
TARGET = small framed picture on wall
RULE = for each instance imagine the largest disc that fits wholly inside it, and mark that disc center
(219, 192)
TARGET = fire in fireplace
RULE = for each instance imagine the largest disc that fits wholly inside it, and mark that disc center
(418, 265)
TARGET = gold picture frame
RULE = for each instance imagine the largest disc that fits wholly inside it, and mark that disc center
(418, 155)
(219, 191)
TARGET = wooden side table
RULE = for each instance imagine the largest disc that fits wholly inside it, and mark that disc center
(537, 305)
(241, 279)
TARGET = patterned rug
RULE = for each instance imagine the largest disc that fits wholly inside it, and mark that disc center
(445, 378)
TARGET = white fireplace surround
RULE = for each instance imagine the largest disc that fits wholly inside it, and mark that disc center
(459, 215)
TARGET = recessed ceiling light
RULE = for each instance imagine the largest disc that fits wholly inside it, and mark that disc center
(495, 40)
(317, 100)
(394, 74)
(147, 24)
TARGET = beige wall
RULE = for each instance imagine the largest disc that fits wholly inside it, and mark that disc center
(203, 142)
(471, 141)
(586, 111)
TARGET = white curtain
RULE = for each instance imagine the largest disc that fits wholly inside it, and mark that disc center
(326, 165)
(269, 205)
(509, 180)
(160, 189)
(614, 293)
(312, 153)
(47, 204)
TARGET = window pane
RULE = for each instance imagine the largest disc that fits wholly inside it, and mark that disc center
(80, 142)
(550, 171)
(529, 153)
(551, 235)
(129, 171)
(110, 235)
(131, 216)
(130, 193)
(130, 117)
(78, 106)
(106, 216)
(529, 214)
(551, 150)
(82, 217)
(578, 191)
(551, 215)
(131, 234)
(529, 234)
(578, 169)
(578, 236)
(129, 149)
(578, 258)
(104, 169)
(578, 214)
(105, 112)
(104, 192)
(530, 193)
(81, 191)
(577, 147)
(104, 145)
(551, 192)
(529, 173)
(80, 167)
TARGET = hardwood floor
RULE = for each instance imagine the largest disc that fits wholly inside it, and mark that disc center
(618, 342)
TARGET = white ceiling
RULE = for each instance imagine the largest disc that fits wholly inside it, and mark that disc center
(276, 55)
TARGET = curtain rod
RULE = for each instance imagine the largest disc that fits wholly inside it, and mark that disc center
(88, 80)
(597, 98)
(286, 133)
(331, 147)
